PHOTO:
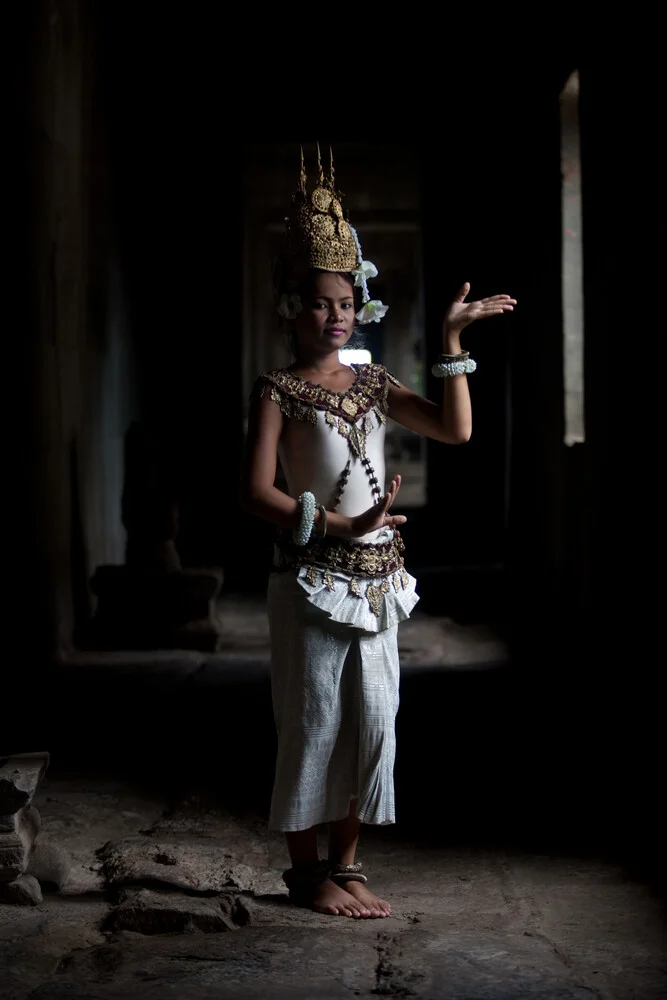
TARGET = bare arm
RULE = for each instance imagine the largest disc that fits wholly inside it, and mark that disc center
(260, 497)
(451, 422)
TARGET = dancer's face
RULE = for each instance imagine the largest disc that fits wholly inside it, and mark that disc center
(326, 321)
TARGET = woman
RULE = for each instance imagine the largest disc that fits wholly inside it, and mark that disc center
(338, 588)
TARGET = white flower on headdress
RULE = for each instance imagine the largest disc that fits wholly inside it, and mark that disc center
(289, 305)
(372, 312)
(365, 270)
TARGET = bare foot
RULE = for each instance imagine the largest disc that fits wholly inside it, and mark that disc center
(327, 897)
(376, 906)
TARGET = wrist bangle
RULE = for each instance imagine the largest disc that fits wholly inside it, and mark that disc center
(322, 527)
(444, 369)
(304, 529)
(446, 358)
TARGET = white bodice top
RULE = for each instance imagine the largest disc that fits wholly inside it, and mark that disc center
(313, 457)
(332, 445)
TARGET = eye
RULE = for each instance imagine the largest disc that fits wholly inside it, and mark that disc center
(347, 305)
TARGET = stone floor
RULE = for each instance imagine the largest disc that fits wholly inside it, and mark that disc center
(526, 863)
(186, 901)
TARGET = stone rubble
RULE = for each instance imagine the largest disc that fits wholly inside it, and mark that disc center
(24, 864)
(146, 911)
(20, 775)
(16, 847)
(23, 891)
(185, 865)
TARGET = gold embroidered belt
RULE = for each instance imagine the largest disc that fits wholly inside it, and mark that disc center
(338, 555)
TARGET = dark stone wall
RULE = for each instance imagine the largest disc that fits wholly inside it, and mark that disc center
(74, 390)
(130, 176)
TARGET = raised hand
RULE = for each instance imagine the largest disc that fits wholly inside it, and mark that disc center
(378, 515)
(461, 313)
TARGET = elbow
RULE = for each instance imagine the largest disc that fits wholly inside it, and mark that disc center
(453, 430)
(456, 436)
(462, 433)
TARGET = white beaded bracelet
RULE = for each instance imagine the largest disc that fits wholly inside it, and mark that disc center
(302, 533)
(445, 368)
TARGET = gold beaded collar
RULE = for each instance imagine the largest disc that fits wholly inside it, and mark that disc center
(367, 392)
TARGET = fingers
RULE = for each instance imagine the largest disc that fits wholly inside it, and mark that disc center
(389, 497)
(462, 292)
(495, 309)
(394, 520)
(393, 490)
(499, 298)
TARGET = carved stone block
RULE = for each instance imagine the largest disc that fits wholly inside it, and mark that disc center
(20, 775)
(16, 846)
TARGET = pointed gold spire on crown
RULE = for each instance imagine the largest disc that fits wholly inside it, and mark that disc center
(317, 234)
(302, 176)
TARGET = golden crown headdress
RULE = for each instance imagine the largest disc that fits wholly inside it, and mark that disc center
(318, 236)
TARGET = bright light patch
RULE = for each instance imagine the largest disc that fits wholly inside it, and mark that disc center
(354, 357)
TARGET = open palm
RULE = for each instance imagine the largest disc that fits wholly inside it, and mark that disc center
(461, 313)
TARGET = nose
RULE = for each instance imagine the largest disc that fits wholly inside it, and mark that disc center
(335, 315)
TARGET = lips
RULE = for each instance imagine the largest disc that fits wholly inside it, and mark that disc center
(336, 331)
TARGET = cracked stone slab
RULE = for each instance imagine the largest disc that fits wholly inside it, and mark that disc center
(146, 911)
(323, 963)
(328, 963)
(204, 866)
(464, 965)
(20, 775)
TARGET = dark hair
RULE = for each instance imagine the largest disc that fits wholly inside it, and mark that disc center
(305, 287)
